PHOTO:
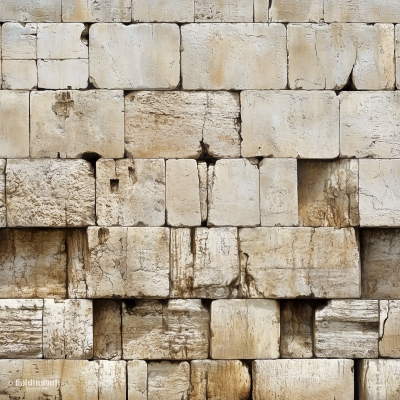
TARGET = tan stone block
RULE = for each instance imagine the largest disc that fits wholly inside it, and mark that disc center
(261, 10)
(77, 250)
(112, 380)
(223, 11)
(30, 10)
(19, 74)
(389, 328)
(18, 40)
(293, 262)
(347, 329)
(234, 56)
(137, 380)
(203, 186)
(130, 192)
(162, 11)
(294, 11)
(397, 55)
(172, 330)
(3, 214)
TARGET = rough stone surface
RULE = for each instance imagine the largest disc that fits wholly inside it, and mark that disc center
(389, 328)
(162, 11)
(290, 124)
(112, 380)
(77, 251)
(3, 213)
(203, 186)
(18, 41)
(292, 11)
(223, 11)
(137, 380)
(30, 10)
(19, 74)
(397, 55)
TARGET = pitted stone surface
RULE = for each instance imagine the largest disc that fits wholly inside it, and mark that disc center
(223, 11)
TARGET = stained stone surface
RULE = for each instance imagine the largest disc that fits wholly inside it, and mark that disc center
(77, 258)
(223, 11)
(19, 74)
(202, 169)
(162, 11)
(137, 380)
(3, 213)
(389, 328)
(31, 10)
(290, 11)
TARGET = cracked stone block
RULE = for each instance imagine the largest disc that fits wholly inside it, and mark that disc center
(203, 185)
(14, 124)
(294, 262)
(168, 380)
(233, 193)
(379, 196)
(127, 262)
(18, 40)
(298, 379)
(278, 192)
(328, 56)
(137, 380)
(290, 11)
(3, 213)
(347, 329)
(389, 328)
(204, 263)
(137, 56)
(234, 56)
(328, 193)
(223, 380)
(19, 74)
(21, 328)
(223, 11)
(296, 318)
(245, 329)
(290, 124)
(50, 193)
(30, 10)
(77, 256)
(130, 192)
(169, 329)
(68, 329)
(162, 11)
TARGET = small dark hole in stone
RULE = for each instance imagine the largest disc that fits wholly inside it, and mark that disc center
(114, 185)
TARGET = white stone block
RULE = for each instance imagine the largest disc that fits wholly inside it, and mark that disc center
(223, 11)
(18, 40)
(137, 380)
(30, 10)
(19, 75)
(3, 213)
(112, 380)
(293, 11)
(162, 11)
(389, 328)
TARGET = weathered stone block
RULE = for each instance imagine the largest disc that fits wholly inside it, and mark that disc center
(397, 55)
(137, 380)
(18, 40)
(138, 56)
(234, 56)
(130, 192)
(77, 250)
(203, 186)
(223, 11)
(347, 329)
(3, 213)
(112, 380)
(172, 330)
(50, 193)
(30, 10)
(292, 11)
(71, 123)
(162, 11)
(19, 74)
(389, 328)
(290, 124)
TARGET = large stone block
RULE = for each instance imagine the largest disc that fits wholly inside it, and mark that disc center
(293, 262)
(290, 11)
(172, 330)
(223, 11)
(19, 74)
(68, 124)
(137, 380)
(50, 193)
(290, 124)
(389, 328)
(30, 10)
(234, 56)
(162, 11)
(18, 40)
(3, 213)
(138, 56)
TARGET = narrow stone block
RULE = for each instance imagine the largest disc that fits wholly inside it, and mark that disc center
(112, 380)
(3, 213)
(30, 10)
(389, 328)
(18, 40)
(397, 55)
(19, 74)
(223, 11)
(77, 250)
(203, 184)
(137, 380)
(162, 11)
(294, 11)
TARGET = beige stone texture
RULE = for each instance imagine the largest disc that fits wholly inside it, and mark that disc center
(347, 329)
(233, 193)
(14, 124)
(170, 330)
(18, 40)
(68, 124)
(128, 262)
(389, 328)
(397, 55)
(130, 192)
(290, 124)
(293, 11)
(182, 193)
(204, 263)
(137, 56)
(112, 380)
(222, 380)
(19, 75)
(50, 193)
(234, 56)
(223, 11)
(303, 379)
(68, 329)
(21, 327)
(278, 192)
(296, 317)
(30, 10)
(203, 187)
(137, 380)
(77, 251)
(3, 214)
(168, 380)
(245, 329)
(294, 262)
(162, 11)
(261, 10)
(379, 196)
(328, 193)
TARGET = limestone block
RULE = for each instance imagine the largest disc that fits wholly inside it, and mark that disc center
(18, 40)
(245, 329)
(19, 74)
(168, 381)
(397, 54)
(112, 380)
(379, 196)
(162, 11)
(77, 250)
(50, 193)
(323, 56)
(293, 11)
(130, 192)
(293, 262)
(303, 379)
(107, 329)
(223, 11)
(278, 192)
(347, 329)
(222, 380)
(21, 328)
(68, 329)
(389, 328)
(171, 330)
(138, 56)
(182, 193)
(261, 10)
(128, 262)
(137, 380)
(203, 186)
(328, 193)
(71, 123)
(204, 263)
(30, 10)
(233, 193)
(290, 124)
(234, 56)
(3, 214)
(14, 124)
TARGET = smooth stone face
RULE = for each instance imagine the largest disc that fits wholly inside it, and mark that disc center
(389, 328)
(18, 41)
(234, 56)
(299, 379)
(68, 124)
(293, 11)
(30, 10)
(290, 124)
(223, 11)
(137, 56)
(137, 380)
(162, 11)
(171, 330)
(19, 74)
(3, 214)
(347, 329)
